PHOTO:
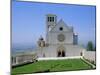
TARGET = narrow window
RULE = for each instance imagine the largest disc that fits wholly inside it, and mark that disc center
(48, 19)
(53, 19)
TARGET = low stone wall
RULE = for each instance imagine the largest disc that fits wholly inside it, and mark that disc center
(23, 58)
(59, 58)
(90, 55)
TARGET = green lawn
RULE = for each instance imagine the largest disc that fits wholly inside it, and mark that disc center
(51, 66)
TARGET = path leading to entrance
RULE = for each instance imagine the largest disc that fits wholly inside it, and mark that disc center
(93, 66)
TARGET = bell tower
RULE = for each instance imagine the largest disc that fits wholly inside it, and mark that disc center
(51, 21)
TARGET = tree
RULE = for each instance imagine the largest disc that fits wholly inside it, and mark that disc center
(95, 48)
(90, 46)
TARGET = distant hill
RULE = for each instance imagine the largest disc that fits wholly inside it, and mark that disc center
(18, 48)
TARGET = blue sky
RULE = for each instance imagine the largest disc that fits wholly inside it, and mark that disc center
(29, 22)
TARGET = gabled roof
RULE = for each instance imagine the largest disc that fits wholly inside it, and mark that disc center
(61, 23)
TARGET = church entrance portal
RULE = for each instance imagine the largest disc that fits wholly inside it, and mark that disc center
(61, 52)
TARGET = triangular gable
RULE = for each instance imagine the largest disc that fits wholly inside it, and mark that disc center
(62, 24)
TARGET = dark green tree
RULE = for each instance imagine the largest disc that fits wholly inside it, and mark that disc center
(90, 46)
(95, 48)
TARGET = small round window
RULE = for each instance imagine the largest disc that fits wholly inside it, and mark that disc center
(61, 28)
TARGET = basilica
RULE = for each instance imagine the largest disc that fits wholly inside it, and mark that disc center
(60, 40)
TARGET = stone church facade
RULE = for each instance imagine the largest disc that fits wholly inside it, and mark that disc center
(61, 41)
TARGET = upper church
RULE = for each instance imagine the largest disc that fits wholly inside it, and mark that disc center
(61, 41)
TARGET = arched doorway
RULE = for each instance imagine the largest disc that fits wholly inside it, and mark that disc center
(61, 52)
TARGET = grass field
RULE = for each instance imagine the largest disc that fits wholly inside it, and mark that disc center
(51, 66)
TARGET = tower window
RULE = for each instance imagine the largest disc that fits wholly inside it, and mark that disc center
(48, 19)
(53, 19)
(61, 28)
